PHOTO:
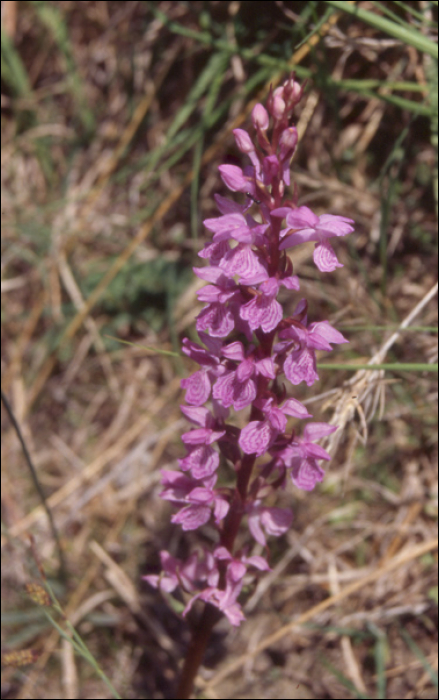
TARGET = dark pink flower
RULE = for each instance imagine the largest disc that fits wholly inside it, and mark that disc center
(300, 364)
(244, 262)
(226, 599)
(257, 436)
(302, 454)
(264, 311)
(238, 387)
(275, 521)
(176, 572)
(307, 226)
(198, 385)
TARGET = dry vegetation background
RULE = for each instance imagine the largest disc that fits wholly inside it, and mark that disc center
(115, 116)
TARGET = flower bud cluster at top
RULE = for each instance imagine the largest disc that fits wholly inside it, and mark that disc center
(247, 346)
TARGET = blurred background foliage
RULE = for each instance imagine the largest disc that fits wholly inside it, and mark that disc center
(115, 116)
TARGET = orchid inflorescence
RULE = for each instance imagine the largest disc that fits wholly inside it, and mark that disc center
(247, 346)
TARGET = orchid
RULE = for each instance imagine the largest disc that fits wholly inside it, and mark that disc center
(248, 348)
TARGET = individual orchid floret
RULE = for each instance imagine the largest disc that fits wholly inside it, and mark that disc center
(270, 169)
(258, 436)
(225, 599)
(307, 226)
(260, 118)
(199, 508)
(217, 319)
(300, 364)
(274, 521)
(278, 107)
(178, 486)
(214, 252)
(244, 262)
(302, 454)
(223, 289)
(187, 574)
(198, 385)
(237, 226)
(202, 460)
(264, 311)
(290, 93)
(197, 500)
(238, 387)
(246, 145)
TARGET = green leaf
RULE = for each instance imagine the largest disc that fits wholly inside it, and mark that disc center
(408, 35)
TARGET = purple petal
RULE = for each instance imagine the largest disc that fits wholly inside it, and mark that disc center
(217, 319)
(307, 475)
(234, 614)
(281, 212)
(330, 225)
(277, 420)
(209, 273)
(223, 389)
(226, 223)
(254, 525)
(244, 262)
(303, 236)
(260, 118)
(214, 252)
(192, 517)
(245, 370)
(220, 510)
(197, 388)
(244, 394)
(293, 407)
(243, 141)
(262, 312)
(202, 461)
(233, 177)
(325, 258)
(270, 287)
(234, 351)
(202, 436)
(197, 414)
(227, 206)
(317, 452)
(321, 334)
(301, 367)
(266, 367)
(315, 431)
(291, 282)
(201, 496)
(258, 562)
(276, 521)
(302, 218)
(256, 437)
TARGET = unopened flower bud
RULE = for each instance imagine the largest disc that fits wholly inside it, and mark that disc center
(279, 92)
(287, 142)
(260, 118)
(243, 141)
(278, 107)
(234, 178)
(292, 91)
